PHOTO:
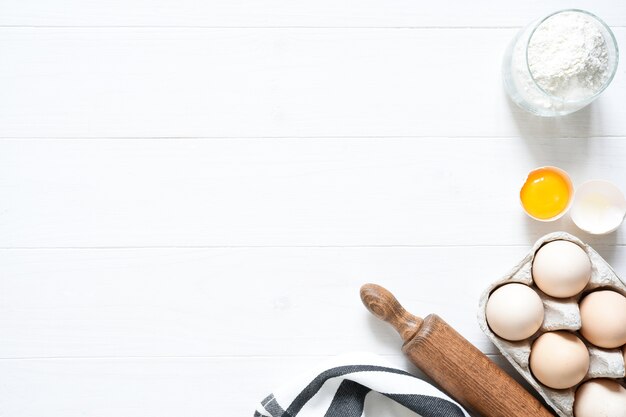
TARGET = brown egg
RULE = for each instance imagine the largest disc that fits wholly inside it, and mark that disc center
(600, 398)
(559, 360)
(514, 312)
(561, 269)
(603, 315)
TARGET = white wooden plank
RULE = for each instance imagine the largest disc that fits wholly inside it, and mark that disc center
(235, 302)
(269, 13)
(129, 82)
(139, 387)
(162, 387)
(285, 192)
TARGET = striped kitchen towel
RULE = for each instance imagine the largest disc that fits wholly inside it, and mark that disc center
(358, 385)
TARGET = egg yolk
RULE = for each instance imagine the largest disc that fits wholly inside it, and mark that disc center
(546, 193)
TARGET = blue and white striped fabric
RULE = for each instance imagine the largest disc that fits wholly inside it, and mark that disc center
(358, 385)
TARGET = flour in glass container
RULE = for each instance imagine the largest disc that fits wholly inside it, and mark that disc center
(568, 56)
(559, 64)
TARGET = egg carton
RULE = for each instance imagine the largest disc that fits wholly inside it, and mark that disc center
(559, 314)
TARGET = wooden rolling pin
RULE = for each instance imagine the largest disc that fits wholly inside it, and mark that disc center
(451, 361)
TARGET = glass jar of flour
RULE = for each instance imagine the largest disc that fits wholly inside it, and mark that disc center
(560, 63)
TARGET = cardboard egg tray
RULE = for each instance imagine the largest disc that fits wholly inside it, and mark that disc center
(560, 314)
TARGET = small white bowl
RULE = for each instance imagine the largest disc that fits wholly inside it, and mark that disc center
(599, 207)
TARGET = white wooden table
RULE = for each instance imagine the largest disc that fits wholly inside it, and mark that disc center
(191, 193)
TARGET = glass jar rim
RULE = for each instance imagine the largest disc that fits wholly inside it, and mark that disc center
(613, 42)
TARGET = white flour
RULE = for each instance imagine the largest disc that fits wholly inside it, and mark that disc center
(568, 56)
(571, 57)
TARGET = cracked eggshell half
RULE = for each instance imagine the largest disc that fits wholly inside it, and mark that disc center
(599, 207)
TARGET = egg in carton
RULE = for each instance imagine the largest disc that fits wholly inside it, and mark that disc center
(559, 314)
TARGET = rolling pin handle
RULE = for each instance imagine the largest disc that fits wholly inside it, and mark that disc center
(382, 304)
